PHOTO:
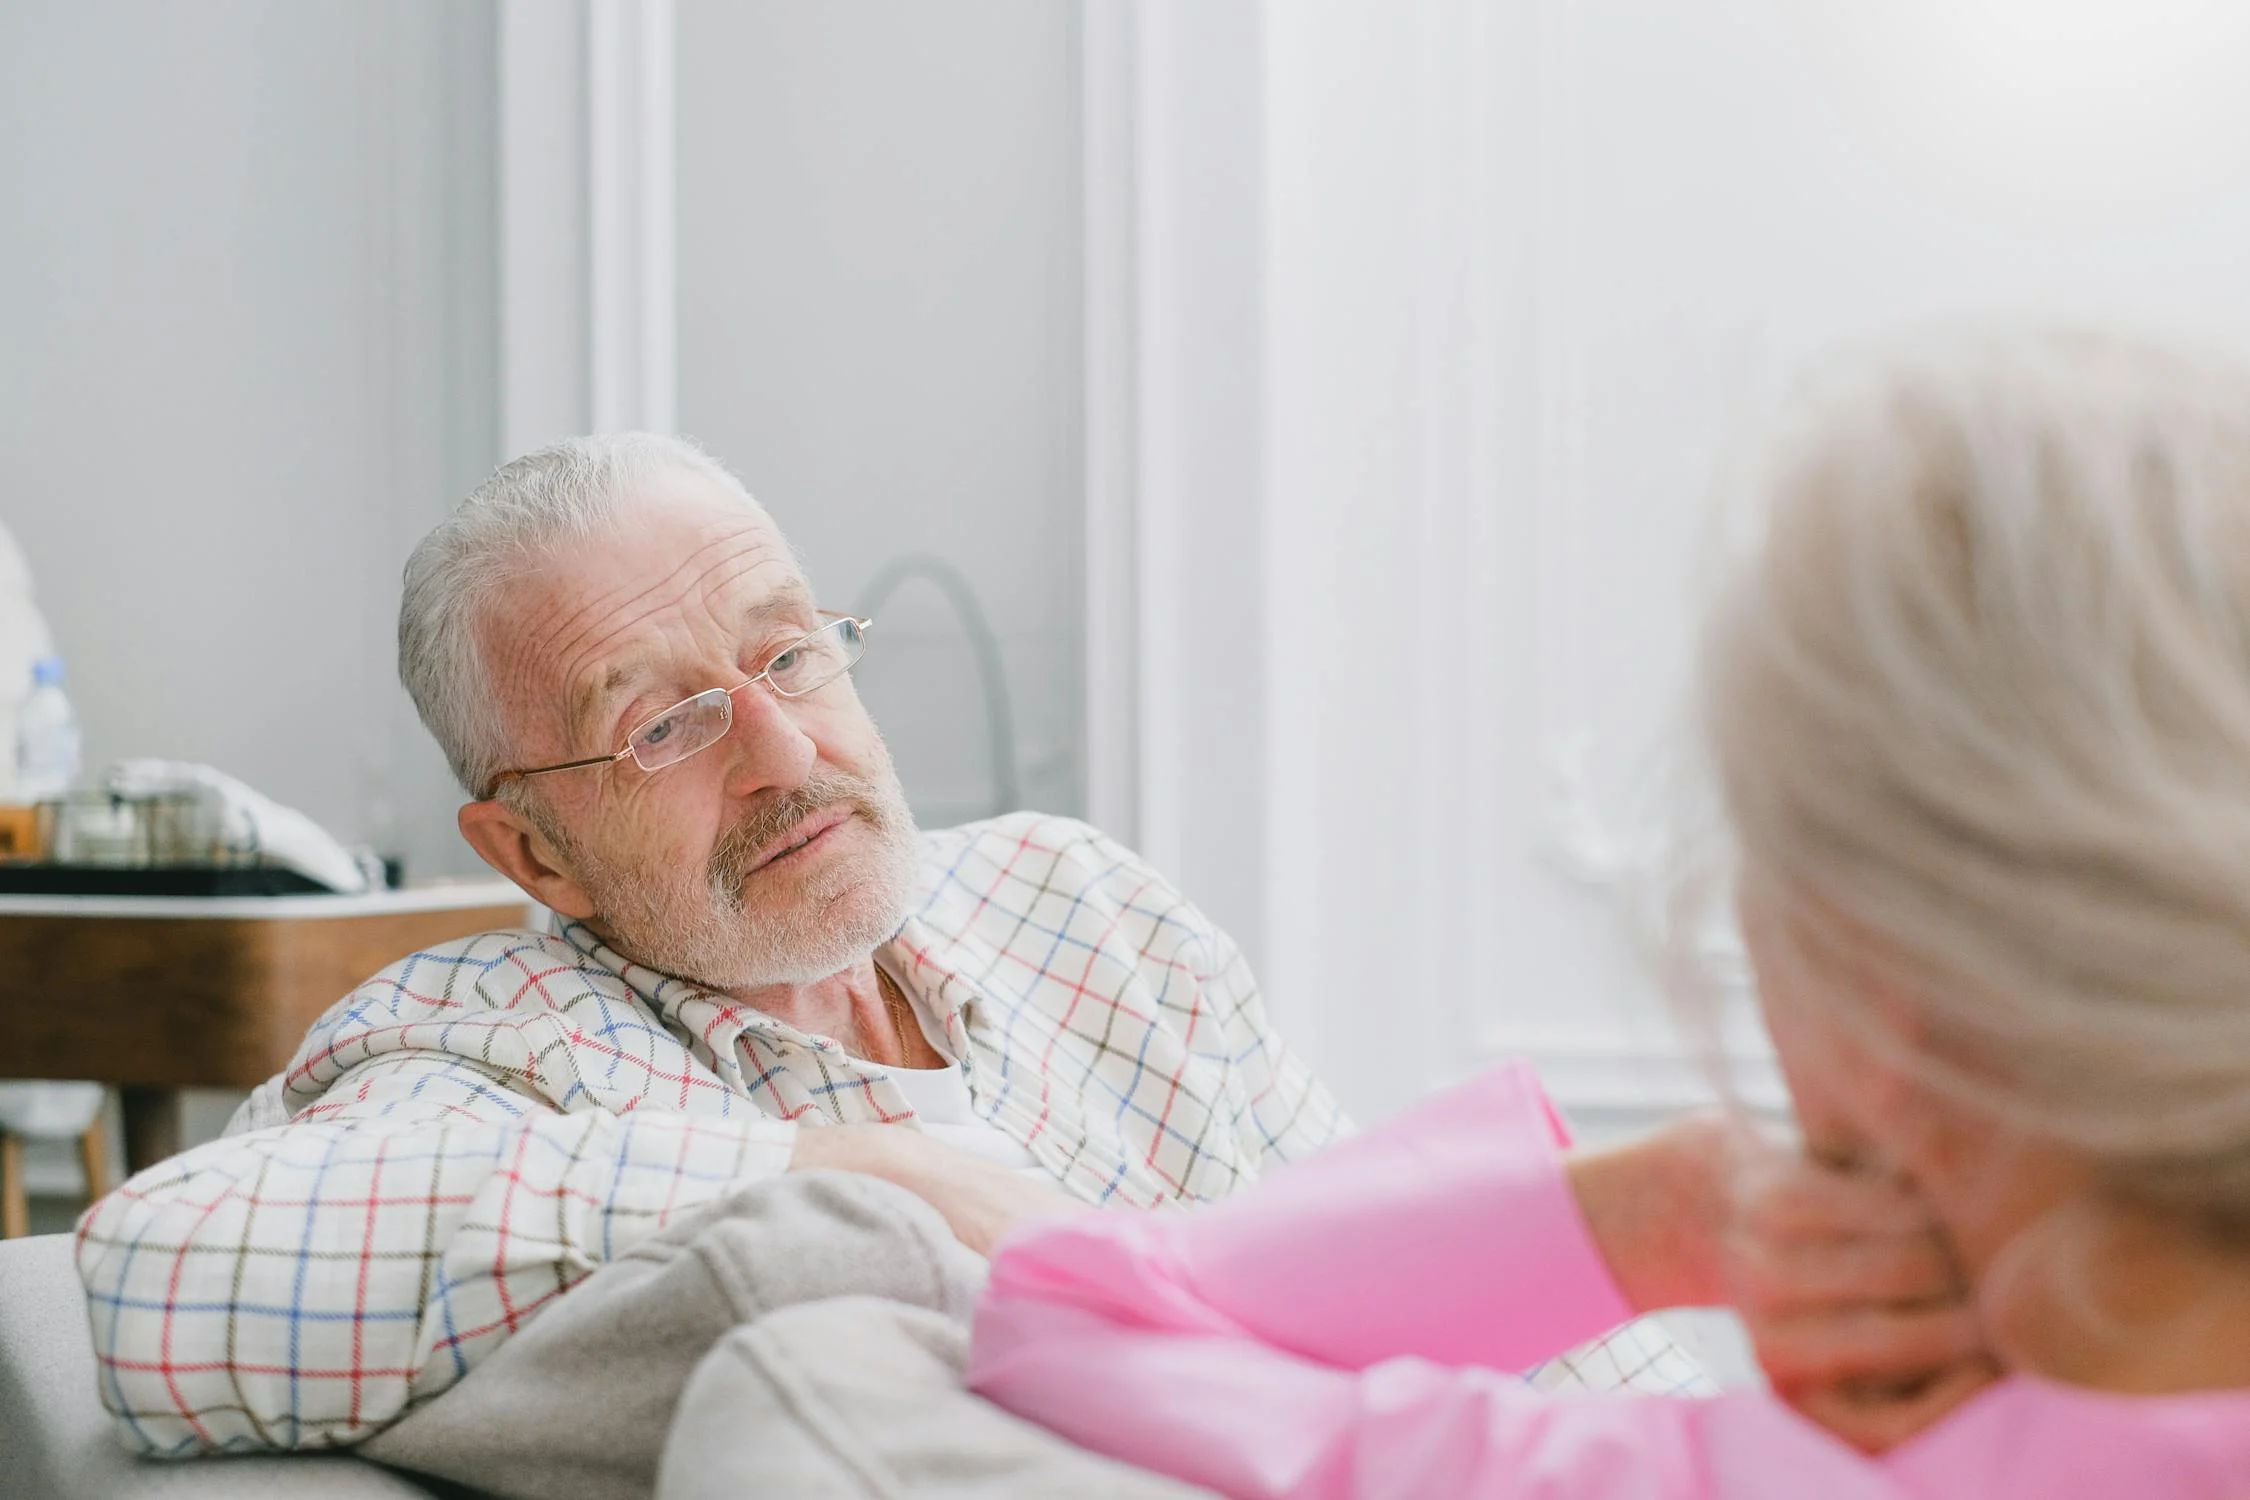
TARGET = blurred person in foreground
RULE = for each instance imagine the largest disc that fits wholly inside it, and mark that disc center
(1978, 704)
(760, 967)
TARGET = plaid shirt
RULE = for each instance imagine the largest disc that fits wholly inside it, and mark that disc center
(481, 1125)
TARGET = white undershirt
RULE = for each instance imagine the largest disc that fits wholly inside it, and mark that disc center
(941, 1103)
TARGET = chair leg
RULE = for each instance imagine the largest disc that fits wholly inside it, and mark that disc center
(93, 1157)
(15, 1211)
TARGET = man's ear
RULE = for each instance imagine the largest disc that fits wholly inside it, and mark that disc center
(507, 841)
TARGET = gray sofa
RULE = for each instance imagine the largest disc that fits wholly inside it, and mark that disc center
(56, 1440)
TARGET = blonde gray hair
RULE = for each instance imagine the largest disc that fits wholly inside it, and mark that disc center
(509, 525)
(1979, 704)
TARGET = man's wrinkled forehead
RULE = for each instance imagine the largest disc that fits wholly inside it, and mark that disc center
(602, 613)
(742, 611)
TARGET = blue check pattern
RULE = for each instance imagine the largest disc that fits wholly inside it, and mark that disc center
(483, 1124)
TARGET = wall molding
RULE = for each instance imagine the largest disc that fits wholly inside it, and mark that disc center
(1649, 1077)
(632, 297)
(1574, 827)
(587, 273)
(1109, 72)
(545, 375)
(1178, 643)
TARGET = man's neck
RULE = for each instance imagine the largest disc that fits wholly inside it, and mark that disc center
(836, 1006)
(848, 1006)
(851, 1007)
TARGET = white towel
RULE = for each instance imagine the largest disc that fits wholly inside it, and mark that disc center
(243, 819)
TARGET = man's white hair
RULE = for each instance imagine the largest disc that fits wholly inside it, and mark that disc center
(510, 525)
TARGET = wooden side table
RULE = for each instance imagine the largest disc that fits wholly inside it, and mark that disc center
(15, 1205)
(155, 994)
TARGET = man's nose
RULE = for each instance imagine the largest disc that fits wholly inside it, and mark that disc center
(766, 750)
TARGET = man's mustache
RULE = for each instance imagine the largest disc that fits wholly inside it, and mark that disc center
(741, 846)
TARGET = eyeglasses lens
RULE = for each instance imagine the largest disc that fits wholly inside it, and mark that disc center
(809, 665)
(817, 660)
(683, 729)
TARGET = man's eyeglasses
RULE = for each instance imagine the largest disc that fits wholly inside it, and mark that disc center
(805, 665)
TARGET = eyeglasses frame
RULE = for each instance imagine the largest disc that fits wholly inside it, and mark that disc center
(833, 619)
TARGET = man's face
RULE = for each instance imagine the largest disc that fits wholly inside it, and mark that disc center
(781, 854)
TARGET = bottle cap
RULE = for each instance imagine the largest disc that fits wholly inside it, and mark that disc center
(47, 672)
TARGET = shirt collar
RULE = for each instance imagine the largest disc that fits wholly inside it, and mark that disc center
(916, 956)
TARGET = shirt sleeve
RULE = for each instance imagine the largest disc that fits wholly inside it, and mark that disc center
(301, 1285)
(1288, 1113)
(1280, 1109)
(1340, 1331)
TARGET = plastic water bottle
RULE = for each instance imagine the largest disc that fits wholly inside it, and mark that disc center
(49, 756)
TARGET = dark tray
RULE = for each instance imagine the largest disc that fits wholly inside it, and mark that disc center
(155, 880)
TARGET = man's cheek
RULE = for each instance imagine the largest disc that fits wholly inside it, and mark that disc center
(846, 738)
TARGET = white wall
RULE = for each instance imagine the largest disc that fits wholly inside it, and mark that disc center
(879, 330)
(246, 358)
(1729, 193)
(1521, 270)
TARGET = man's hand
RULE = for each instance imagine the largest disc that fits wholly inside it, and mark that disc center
(981, 1202)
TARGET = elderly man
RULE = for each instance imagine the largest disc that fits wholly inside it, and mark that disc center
(759, 966)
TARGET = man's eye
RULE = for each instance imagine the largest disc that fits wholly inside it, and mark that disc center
(661, 730)
(786, 662)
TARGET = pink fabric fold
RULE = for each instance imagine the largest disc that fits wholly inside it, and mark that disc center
(1461, 1192)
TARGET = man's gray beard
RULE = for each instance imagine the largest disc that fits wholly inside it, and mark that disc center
(710, 934)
